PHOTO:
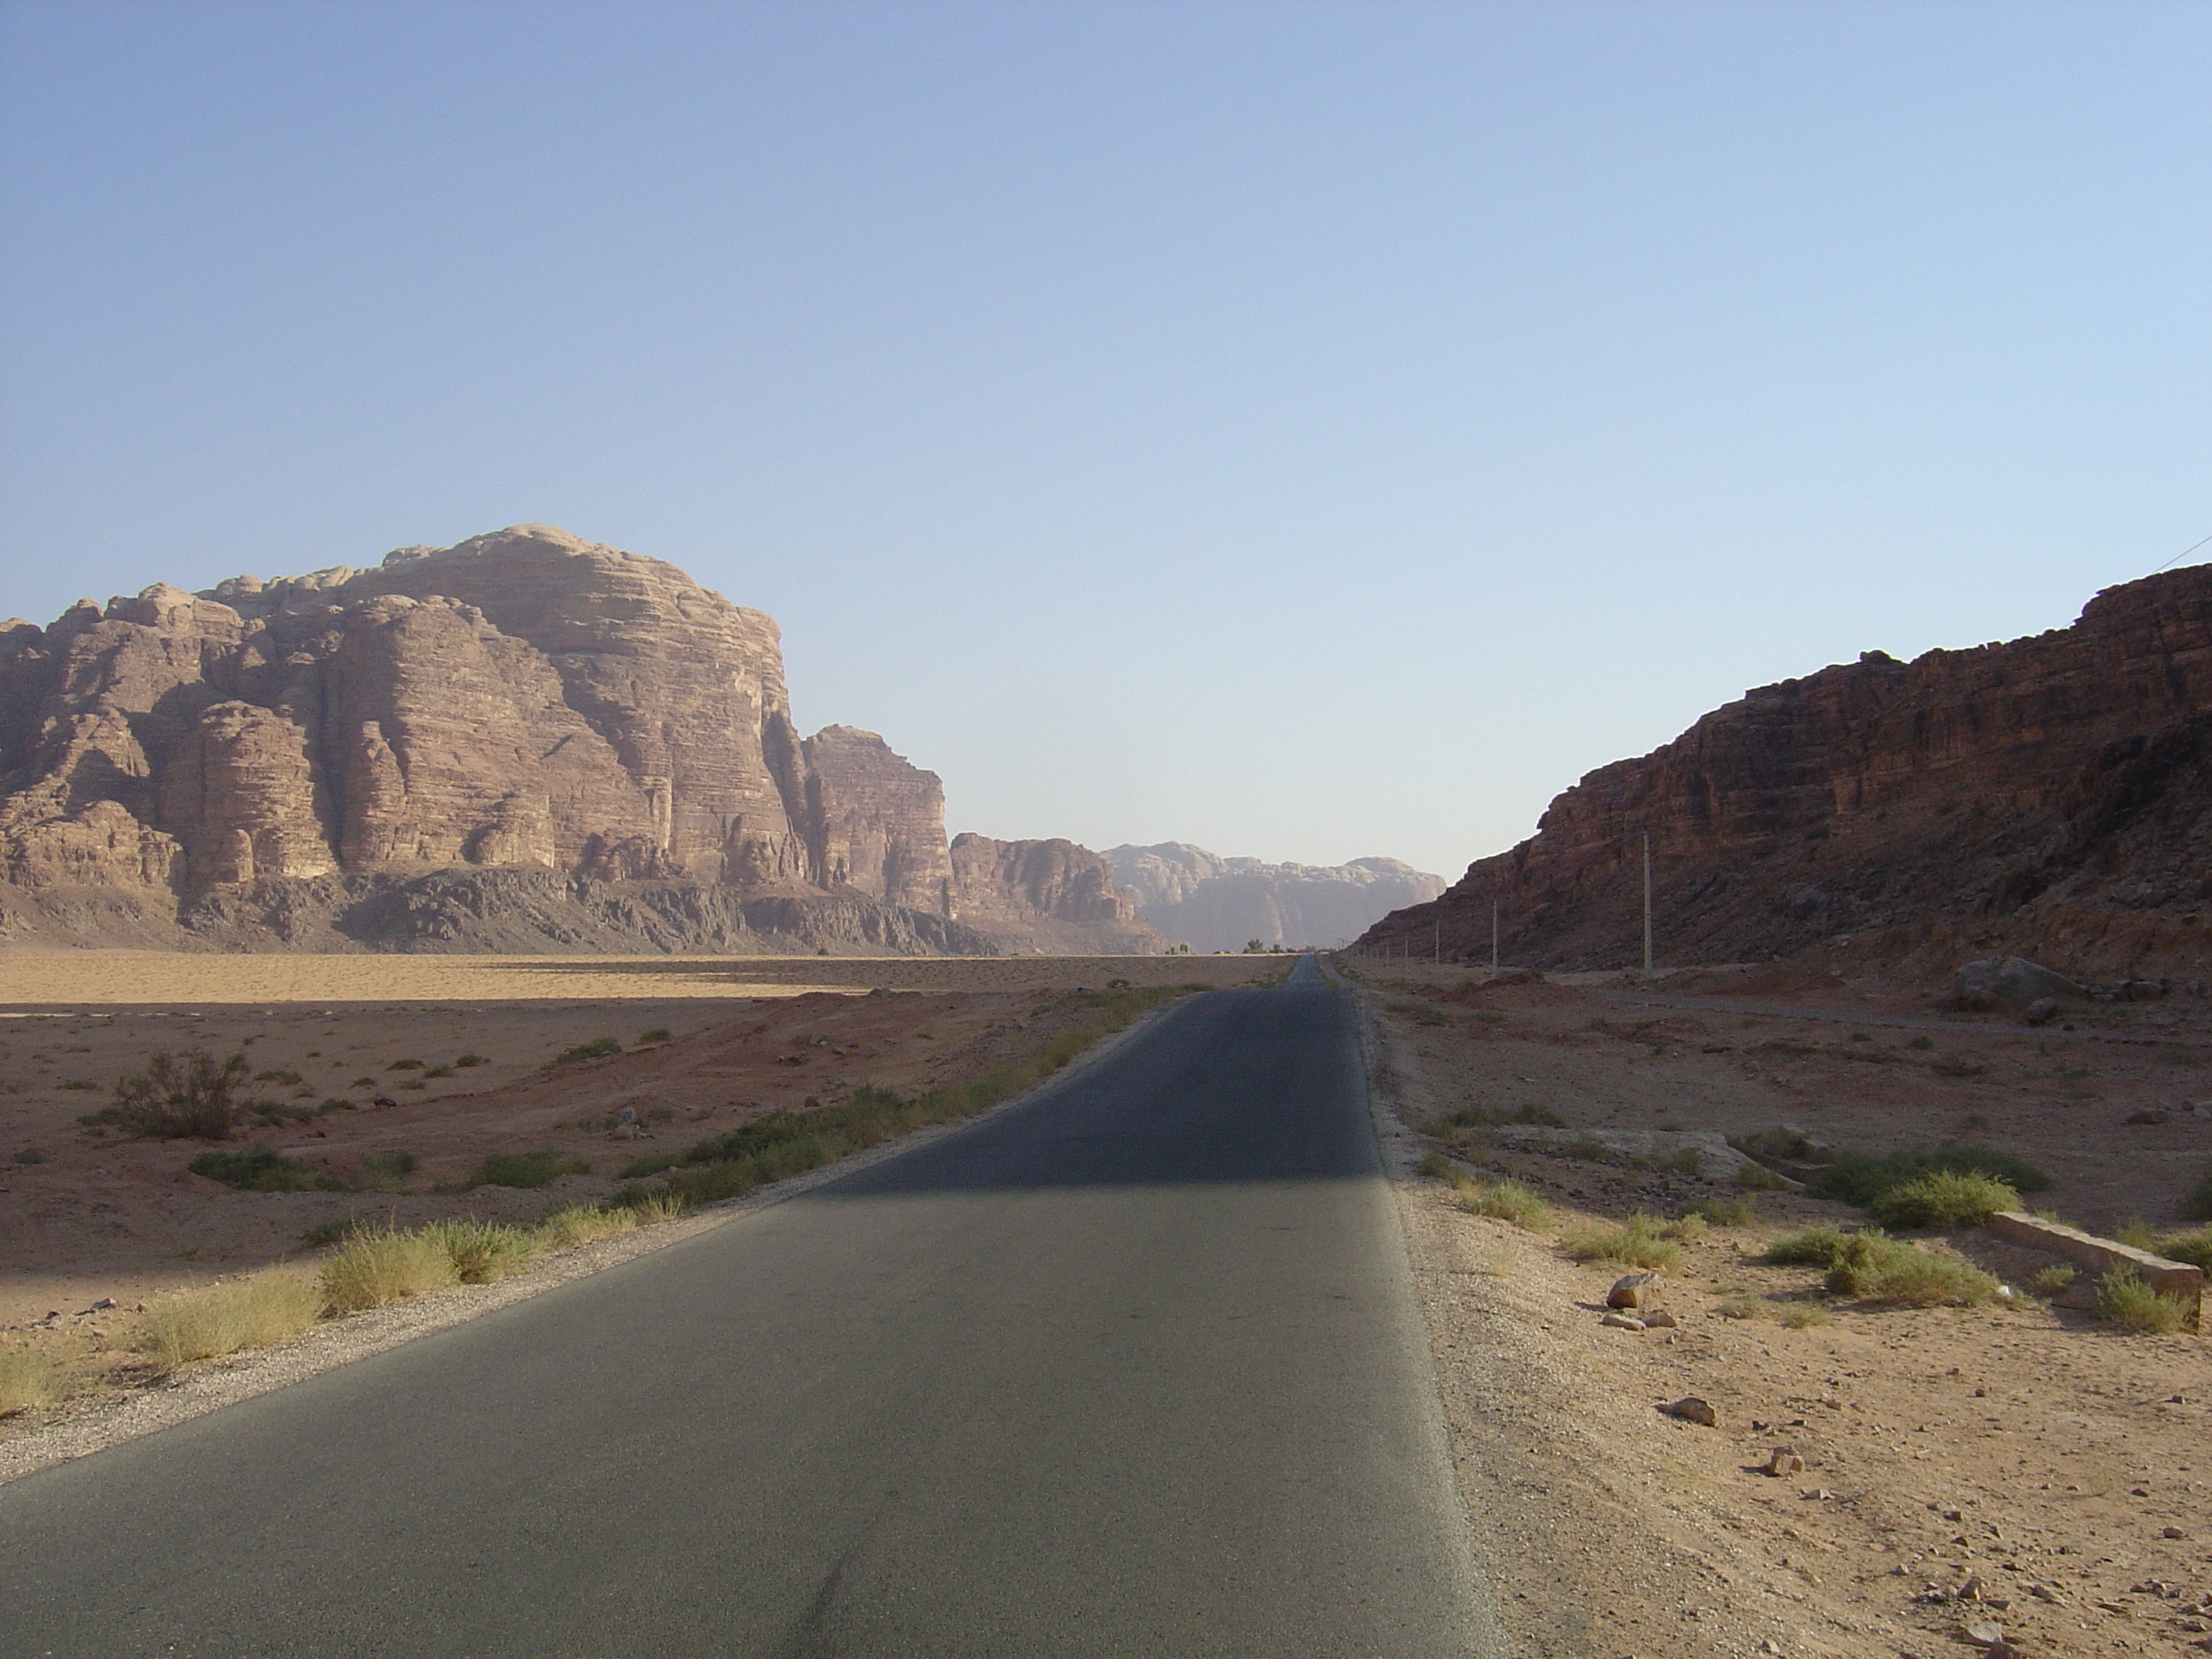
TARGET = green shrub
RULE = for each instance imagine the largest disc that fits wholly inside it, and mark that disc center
(2194, 1247)
(2125, 1300)
(2053, 1280)
(657, 1034)
(188, 1096)
(83, 1084)
(30, 1155)
(1873, 1265)
(405, 1066)
(1943, 1198)
(332, 1229)
(481, 1251)
(1757, 1177)
(467, 1060)
(1860, 1178)
(1815, 1246)
(372, 1269)
(1802, 1315)
(1683, 1160)
(596, 1049)
(2197, 1206)
(1723, 1211)
(1641, 1241)
(385, 1168)
(1436, 1166)
(262, 1170)
(1505, 1200)
(439, 1071)
(523, 1169)
(2136, 1233)
(277, 1077)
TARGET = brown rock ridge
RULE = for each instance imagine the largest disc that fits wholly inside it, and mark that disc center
(2051, 797)
(273, 761)
(1047, 896)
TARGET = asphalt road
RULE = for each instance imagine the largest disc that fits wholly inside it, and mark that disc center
(1135, 1369)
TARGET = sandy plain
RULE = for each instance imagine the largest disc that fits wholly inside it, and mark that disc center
(2058, 1470)
(86, 1215)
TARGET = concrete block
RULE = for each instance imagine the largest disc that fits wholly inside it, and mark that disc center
(2098, 1256)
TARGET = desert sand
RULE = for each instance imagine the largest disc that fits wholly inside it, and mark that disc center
(2058, 1470)
(88, 1216)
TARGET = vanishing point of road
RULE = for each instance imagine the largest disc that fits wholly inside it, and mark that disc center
(1136, 1368)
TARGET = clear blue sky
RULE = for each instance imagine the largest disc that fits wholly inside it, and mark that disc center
(1310, 431)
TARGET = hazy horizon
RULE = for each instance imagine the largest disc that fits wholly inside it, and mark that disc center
(1311, 432)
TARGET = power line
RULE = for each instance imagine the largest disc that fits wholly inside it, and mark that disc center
(2179, 556)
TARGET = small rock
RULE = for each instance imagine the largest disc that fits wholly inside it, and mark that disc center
(1691, 1409)
(2041, 1011)
(625, 1131)
(1986, 1633)
(1816, 1494)
(1659, 1319)
(2173, 1532)
(628, 1115)
(1634, 1290)
(1782, 1461)
(2150, 1114)
(1621, 1322)
(103, 1304)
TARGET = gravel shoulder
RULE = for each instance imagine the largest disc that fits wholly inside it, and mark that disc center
(2057, 1474)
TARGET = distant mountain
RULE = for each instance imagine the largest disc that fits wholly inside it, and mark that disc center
(1214, 904)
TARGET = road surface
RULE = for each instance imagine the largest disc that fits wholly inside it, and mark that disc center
(1135, 1369)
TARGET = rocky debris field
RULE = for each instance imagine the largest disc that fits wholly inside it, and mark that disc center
(2016, 1478)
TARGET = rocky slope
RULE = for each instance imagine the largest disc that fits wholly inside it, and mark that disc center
(1049, 896)
(1214, 904)
(2051, 797)
(271, 762)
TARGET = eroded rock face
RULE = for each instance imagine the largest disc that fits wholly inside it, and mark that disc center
(2050, 798)
(1214, 904)
(1047, 896)
(526, 700)
(881, 821)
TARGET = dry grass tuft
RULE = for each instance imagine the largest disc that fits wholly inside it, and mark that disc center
(1874, 1266)
(229, 1318)
(29, 1380)
(2123, 1299)
(372, 1269)
(1642, 1241)
(582, 1223)
(482, 1251)
(1504, 1200)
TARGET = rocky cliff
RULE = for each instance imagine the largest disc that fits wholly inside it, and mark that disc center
(1214, 904)
(2051, 797)
(268, 761)
(1046, 896)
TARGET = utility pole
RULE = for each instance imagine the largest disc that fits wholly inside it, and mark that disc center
(1493, 932)
(1437, 944)
(1647, 904)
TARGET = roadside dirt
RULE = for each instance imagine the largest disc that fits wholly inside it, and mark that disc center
(88, 1215)
(2058, 1473)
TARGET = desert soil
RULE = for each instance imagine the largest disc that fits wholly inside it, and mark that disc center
(2059, 1471)
(88, 1216)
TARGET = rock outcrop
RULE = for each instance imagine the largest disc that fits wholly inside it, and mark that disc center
(1214, 904)
(2049, 798)
(523, 701)
(1046, 896)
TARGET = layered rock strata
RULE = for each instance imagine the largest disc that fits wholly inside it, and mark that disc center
(525, 701)
(1214, 904)
(2049, 798)
(1046, 896)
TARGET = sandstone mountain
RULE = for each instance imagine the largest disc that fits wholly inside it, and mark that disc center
(2049, 798)
(1214, 903)
(526, 741)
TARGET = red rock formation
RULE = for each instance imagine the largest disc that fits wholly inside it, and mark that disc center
(2051, 797)
(881, 821)
(1052, 897)
(526, 700)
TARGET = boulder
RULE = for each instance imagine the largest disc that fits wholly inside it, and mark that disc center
(2013, 985)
